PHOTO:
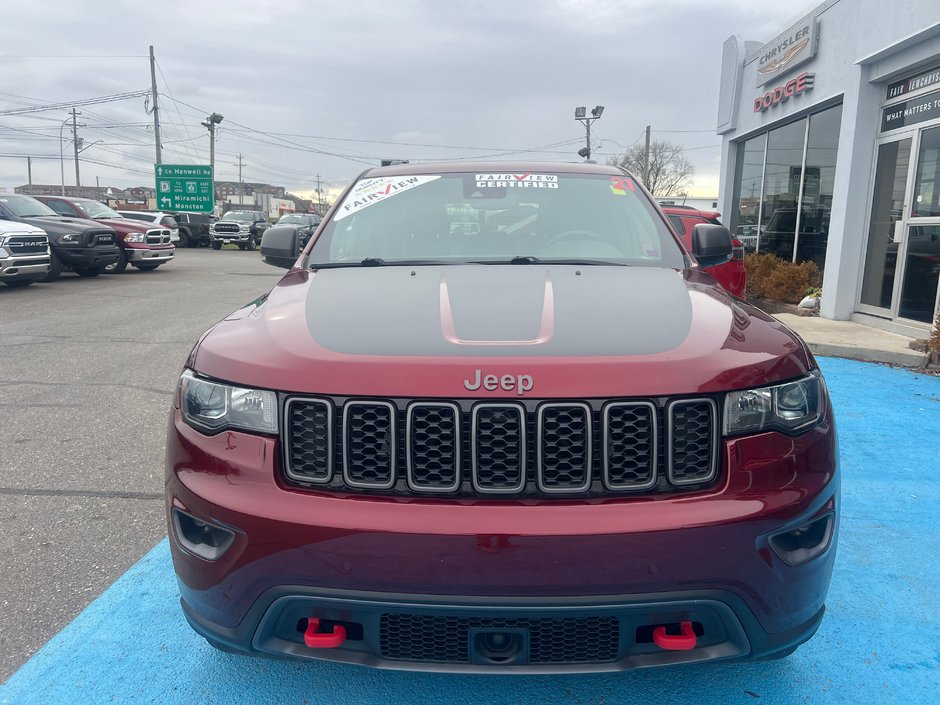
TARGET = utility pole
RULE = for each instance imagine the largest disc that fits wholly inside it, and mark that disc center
(210, 124)
(319, 197)
(156, 113)
(29, 173)
(76, 146)
(580, 114)
(646, 159)
(241, 184)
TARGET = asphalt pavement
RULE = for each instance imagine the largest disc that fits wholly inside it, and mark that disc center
(87, 370)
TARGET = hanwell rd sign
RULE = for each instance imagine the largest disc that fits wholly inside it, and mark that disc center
(184, 187)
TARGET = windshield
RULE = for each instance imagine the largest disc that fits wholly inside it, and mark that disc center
(94, 209)
(26, 207)
(238, 216)
(497, 218)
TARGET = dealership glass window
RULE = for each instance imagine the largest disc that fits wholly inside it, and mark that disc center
(927, 188)
(747, 189)
(781, 207)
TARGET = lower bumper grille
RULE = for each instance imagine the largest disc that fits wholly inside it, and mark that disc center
(551, 640)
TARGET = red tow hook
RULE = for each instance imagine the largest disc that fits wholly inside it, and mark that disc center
(316, 640)
(672, 642)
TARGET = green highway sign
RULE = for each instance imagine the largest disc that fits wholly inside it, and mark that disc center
(184, 187)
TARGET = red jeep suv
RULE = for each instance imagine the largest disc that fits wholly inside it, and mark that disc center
(495, 417)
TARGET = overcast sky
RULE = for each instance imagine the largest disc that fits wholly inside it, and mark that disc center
(310, 87)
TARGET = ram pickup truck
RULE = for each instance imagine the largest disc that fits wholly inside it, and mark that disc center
(555, 447)
(143, 247)
(244, 228)
(24, 254)
(82, 246)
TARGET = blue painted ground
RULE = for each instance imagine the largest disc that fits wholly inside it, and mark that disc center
(879, 643)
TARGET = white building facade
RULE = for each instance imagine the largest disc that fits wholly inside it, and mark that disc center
(831, 153)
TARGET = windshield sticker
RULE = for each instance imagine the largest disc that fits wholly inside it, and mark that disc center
(370, 191)
(620, 184)
(527, 180)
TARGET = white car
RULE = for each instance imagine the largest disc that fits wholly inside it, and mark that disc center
(160, 218)
(24, 253)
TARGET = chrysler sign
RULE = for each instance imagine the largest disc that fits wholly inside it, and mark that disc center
(788, 50)
(781, 94)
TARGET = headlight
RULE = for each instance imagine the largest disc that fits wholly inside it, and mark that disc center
(135, 237)
(791, 407)
(69, 238)
(212, 407)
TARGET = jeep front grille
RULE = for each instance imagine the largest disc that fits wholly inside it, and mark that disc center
(524, 448)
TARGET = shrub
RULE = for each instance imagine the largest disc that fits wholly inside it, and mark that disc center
(770, 277)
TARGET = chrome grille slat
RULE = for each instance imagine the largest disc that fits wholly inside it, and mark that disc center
(369, 447)
(433, 449)
(629, 445)
(564, 448)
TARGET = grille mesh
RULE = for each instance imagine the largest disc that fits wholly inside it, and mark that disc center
(630, 446)
(443, 639)
(692, 440)
(499, 448)
(369, 447)
(527, 448)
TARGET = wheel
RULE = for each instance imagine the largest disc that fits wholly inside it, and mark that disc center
(216, 245)
(119, 266)
(19, 283)
(146, 267)
(242, 246)
(89, 271)
(186, 240)
(251, 244)
(55, 269)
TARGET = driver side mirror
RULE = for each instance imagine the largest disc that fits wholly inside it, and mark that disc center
(711, 244)
(280, 246)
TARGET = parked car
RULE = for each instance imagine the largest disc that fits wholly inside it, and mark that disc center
(244, 228)
(158, 218)
(24, 254)
(194, 228)
(731, 274)
(562, 447)
(306, 224)
(76, 244)
(142, 246)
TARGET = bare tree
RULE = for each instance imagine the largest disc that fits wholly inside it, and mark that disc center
(669, 171)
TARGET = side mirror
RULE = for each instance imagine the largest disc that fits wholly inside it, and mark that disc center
(280, 246)
(711, 244)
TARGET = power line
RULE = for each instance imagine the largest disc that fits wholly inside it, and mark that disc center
(74, 103)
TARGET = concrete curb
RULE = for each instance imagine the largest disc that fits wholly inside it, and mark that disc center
(912, 359)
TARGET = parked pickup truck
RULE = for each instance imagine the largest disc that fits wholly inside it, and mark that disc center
(244, 228)
(82, 246)
(142, 246)
(24, 254)
(194, 229)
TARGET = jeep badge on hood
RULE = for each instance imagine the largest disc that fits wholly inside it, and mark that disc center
(521, 383)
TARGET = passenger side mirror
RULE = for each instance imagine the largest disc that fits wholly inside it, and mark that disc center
(711, 244)
(280, 246)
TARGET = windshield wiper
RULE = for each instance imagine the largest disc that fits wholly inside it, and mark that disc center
(379, 262)
(530, 259)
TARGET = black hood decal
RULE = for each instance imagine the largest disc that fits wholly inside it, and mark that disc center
(498, 310)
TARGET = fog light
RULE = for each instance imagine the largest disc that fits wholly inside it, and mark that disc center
(804, 543)
(201, 538)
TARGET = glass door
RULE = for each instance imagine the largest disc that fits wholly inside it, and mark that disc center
(885, 230)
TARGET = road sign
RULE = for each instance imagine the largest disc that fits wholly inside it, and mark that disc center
(184, 187)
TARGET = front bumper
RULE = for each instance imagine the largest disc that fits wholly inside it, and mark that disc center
(149, 256)
(703, 556)
(99, 256)
(242, 236)
(21, 268)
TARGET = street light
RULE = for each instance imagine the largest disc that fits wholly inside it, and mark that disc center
(580, 114)
(61, 156)
(210, 123)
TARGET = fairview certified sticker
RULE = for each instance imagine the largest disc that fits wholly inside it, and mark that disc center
(371, 191)
(517, 180)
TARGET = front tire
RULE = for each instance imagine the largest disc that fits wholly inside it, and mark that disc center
(119, 266)
(146, 267)
(216, 245)
(242, 246)
(55, 269)
(89, 272)
(186, 240)
(251, 244)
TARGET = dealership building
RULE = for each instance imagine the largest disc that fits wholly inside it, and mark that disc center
(831, 153)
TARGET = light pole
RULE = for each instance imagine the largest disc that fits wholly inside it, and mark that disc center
(210, 123)
(580, 114)
(61, 154)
